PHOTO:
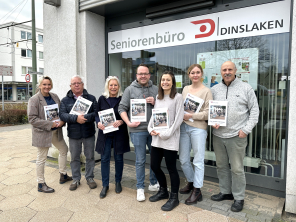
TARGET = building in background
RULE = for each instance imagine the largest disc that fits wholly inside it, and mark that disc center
(19, 56)
(95, 39)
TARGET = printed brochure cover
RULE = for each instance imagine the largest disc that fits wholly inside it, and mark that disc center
(52, 112)
(138, 110)
(217, 112)
(160, 118)
(192, 104)
(81, 106)
(107, 118)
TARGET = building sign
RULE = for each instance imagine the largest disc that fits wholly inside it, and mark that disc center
(6, 71)
(263, 19)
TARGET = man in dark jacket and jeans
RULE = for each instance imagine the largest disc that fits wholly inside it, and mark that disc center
(81, 130)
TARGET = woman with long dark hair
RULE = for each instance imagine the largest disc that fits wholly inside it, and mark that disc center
(165, 143)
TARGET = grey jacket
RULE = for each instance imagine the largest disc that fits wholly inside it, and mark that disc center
(41, 128)
(242, 108)
(137, 91)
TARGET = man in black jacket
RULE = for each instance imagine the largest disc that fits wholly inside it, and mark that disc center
(81, 130)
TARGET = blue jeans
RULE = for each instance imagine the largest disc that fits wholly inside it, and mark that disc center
(140, 140)
(105, 163)
(75, 146)
(195, 139)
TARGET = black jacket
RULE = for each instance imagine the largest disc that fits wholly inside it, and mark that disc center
(77, 130)
(120, 137)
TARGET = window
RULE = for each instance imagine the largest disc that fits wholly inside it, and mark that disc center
(24, 70)
(24, 53)
(30, 69)
(29, 35)
(266, 143)
(40, 55)
(41, 70)
(23, 35)
(40, 38)
(29, 53)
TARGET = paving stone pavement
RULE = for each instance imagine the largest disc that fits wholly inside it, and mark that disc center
(20, 201)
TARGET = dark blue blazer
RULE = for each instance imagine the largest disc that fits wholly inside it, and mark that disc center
(120, 137)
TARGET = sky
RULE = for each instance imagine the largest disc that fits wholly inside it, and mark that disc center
(9, 12)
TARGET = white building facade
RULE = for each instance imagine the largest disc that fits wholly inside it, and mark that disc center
(19, 56)
(95, 39)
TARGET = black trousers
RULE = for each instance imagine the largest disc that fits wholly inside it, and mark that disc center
(170, 158)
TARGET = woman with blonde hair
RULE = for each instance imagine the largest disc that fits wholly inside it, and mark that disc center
(119, 139)
(47, 132)
(193, 136)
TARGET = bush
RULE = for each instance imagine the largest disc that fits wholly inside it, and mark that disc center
(14, 113)
(13, 116)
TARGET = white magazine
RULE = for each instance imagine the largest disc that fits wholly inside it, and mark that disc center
(52, 112)
(138, 110)
(81, 106)
(160, 118)
(217, 112)
(107, 118)
(192, 104)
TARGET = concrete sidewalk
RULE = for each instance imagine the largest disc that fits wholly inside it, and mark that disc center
(20, 201)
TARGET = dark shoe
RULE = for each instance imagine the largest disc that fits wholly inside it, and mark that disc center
(64, 178)
(221, 196)
(187, 188)
(91, 183)
(171, 203)
(74, 185)
(42, 187)
(104, 192)
(160, 195)
(118, 187)
(194, 197)
(237, 206)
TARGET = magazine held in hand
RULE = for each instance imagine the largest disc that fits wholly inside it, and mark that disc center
(138, 110)
(81, 106)
(52, 112)
(107, 118)
(160, 119)
(217, 112)
(192, 104)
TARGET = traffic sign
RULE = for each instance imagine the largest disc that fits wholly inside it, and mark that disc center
(6, 71)
(28, 78)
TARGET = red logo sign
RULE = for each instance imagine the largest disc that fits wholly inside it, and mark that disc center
(28, 78)
(203, 28)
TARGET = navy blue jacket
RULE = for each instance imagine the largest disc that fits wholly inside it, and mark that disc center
(120, 137)
(77, 130)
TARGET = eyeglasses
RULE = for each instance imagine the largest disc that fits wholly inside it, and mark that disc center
(76, 83)
(143, 74)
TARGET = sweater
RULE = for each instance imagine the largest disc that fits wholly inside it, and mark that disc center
(200, 117)
(137, 91)
(169, 138)
(242, 108)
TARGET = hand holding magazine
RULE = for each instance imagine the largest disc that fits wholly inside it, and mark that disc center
(52, 112)
(192, 104)
(217, 113)
(81, 106)
(107, 118)
(160, 119)
(138, 110)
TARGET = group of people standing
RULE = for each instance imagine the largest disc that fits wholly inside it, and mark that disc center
(182, 135)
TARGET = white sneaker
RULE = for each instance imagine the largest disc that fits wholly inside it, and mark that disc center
(140, 195)
(154, 187)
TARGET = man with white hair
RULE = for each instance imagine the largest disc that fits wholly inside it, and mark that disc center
(81, 130)
(230, 141)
